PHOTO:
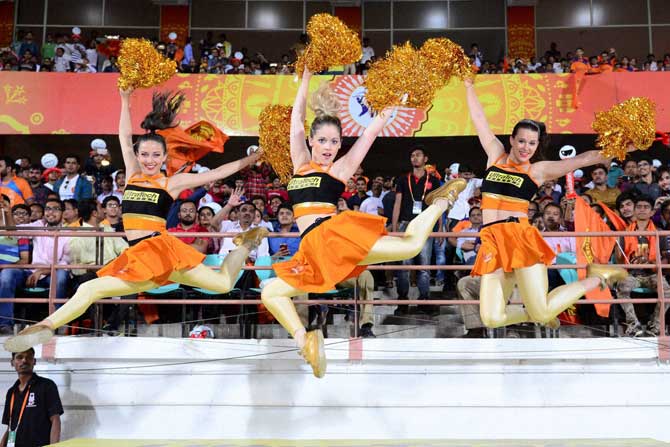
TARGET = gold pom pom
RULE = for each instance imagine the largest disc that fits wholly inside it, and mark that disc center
(632, 121)
(331, 42)
(446, 58)
(403, 71)
(274, 137)
(142, 66)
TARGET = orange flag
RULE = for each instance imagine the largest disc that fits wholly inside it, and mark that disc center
(187, 146)
(616, 220)
(593, 249)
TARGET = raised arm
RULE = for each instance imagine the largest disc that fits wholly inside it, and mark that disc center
(299, 152)
(550, 170)
(345, 167)
(492, 146)
(126, 135)
(180, 182)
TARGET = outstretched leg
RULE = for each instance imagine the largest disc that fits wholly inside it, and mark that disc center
(222, 281)
(542, 307)
(494, 292)
(276, 296)
(87, 294)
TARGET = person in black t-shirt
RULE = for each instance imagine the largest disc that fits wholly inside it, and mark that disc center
(32, 406)
(411, 191)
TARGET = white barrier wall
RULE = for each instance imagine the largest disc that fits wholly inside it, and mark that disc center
(164, 388)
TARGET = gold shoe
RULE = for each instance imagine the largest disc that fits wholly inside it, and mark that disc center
(449, 190)
(29, 337)
(251, 238)
(608, 274)
(314, 353)
(555, 323)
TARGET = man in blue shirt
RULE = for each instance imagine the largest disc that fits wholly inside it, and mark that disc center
(283, 246)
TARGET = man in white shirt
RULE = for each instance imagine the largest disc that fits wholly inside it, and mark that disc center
(461, 208)
(373, 204)
(368, 51)
(552, 217)
(245, 215)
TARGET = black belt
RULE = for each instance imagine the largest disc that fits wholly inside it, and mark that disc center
(137, 241)
(508, 220)
(316, 223)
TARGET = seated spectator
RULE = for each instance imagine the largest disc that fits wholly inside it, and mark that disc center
(277, 190)
(244, 222)
(187, 224)
(273, 207)
(663, 176)
(548, 189)
(35, 181)
(111, 208)
(107, 190)
(282, 247)
(625, 205)
(120, 181)
(601, 192)
(552, 218)
(36, 212)
(16, 188)
(373, 204)
(71, 213)
(468, 245)
(645, 184)
(28, 62)
(205, 215)
(12, 280)
(641, 250)
(61, 63)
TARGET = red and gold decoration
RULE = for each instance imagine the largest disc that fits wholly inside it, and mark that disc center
(331, 43)
(174, 19)
(110, 47)
(274, 133)
(187, 146)
(142, 66)
(632, 121)
(521, 32)
(29, 102)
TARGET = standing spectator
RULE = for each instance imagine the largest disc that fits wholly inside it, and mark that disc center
(16, 188)
(40, 191)
(645, 185)
(548, 190)
(32, 406)
(246, 214)
(368, 52)
(49, 47)
(625, 205)
(188, 213)
(107, 189)
(601, 192)
(411, 192)
(354, 202)
(120, 181)
(553, 51)
(188, 54)
(61, 63)
(226, 48)
(92, 54)
(28, 45)
(256, 178)
(476, 55)
(73, 185)
(98, 164)
(373, 204)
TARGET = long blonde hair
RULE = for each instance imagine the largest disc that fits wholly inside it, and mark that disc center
(325, 105)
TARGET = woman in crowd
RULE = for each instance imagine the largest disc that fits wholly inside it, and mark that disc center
(335, 247)
(154, 257)
(513, 252)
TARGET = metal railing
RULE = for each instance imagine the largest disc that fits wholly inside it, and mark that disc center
(63, 232)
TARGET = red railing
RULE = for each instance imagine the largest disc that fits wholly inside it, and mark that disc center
(61, 232)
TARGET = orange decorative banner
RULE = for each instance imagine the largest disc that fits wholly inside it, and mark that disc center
(174, 19)
(350, 16)
(6, 23)
(521, 32)
(32, 103)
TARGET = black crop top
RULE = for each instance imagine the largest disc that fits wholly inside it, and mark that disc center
(141, 200)
(509, 180)
(315, 192)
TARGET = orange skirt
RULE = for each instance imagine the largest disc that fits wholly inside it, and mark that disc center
(330, 252)
(153, 259)
(509, 246)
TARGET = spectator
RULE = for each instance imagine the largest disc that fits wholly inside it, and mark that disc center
(98, 165)
(73, 185)
(281, 247)
(273, 207)
(16, 188)
(110, 65)
(39, 191)
(245, 216)
(410, 201)
(625, 205)
(468, 245)
(107, 190)
(28, 45)
(188, 54)
(553, 51)
(278, 190)
(13, 250)
(92, 54)
(645, 184)
(256, 178)
(71, 213)
(49, 47)
(354, 202)
(120, 181)
(548, 190)
(601, 192)
(368, 52)
(225, 47)
(476, 55)
(205, 215)
(21, 214)
(641, 250)
(187, 224)
(373, 204)
(111, 207)
(28, 62)
(32, 406)
(43, 253)
(552, 218)
(36, 212)
(61, 63)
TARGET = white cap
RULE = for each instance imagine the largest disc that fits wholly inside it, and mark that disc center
(656, 163)
(99, 146)
(614, 164)
(454, 168)
(578, 173)
(200, 169)
(76, 30)
(172, 36)
(49, 160)
(252, 149)
(238, 55)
